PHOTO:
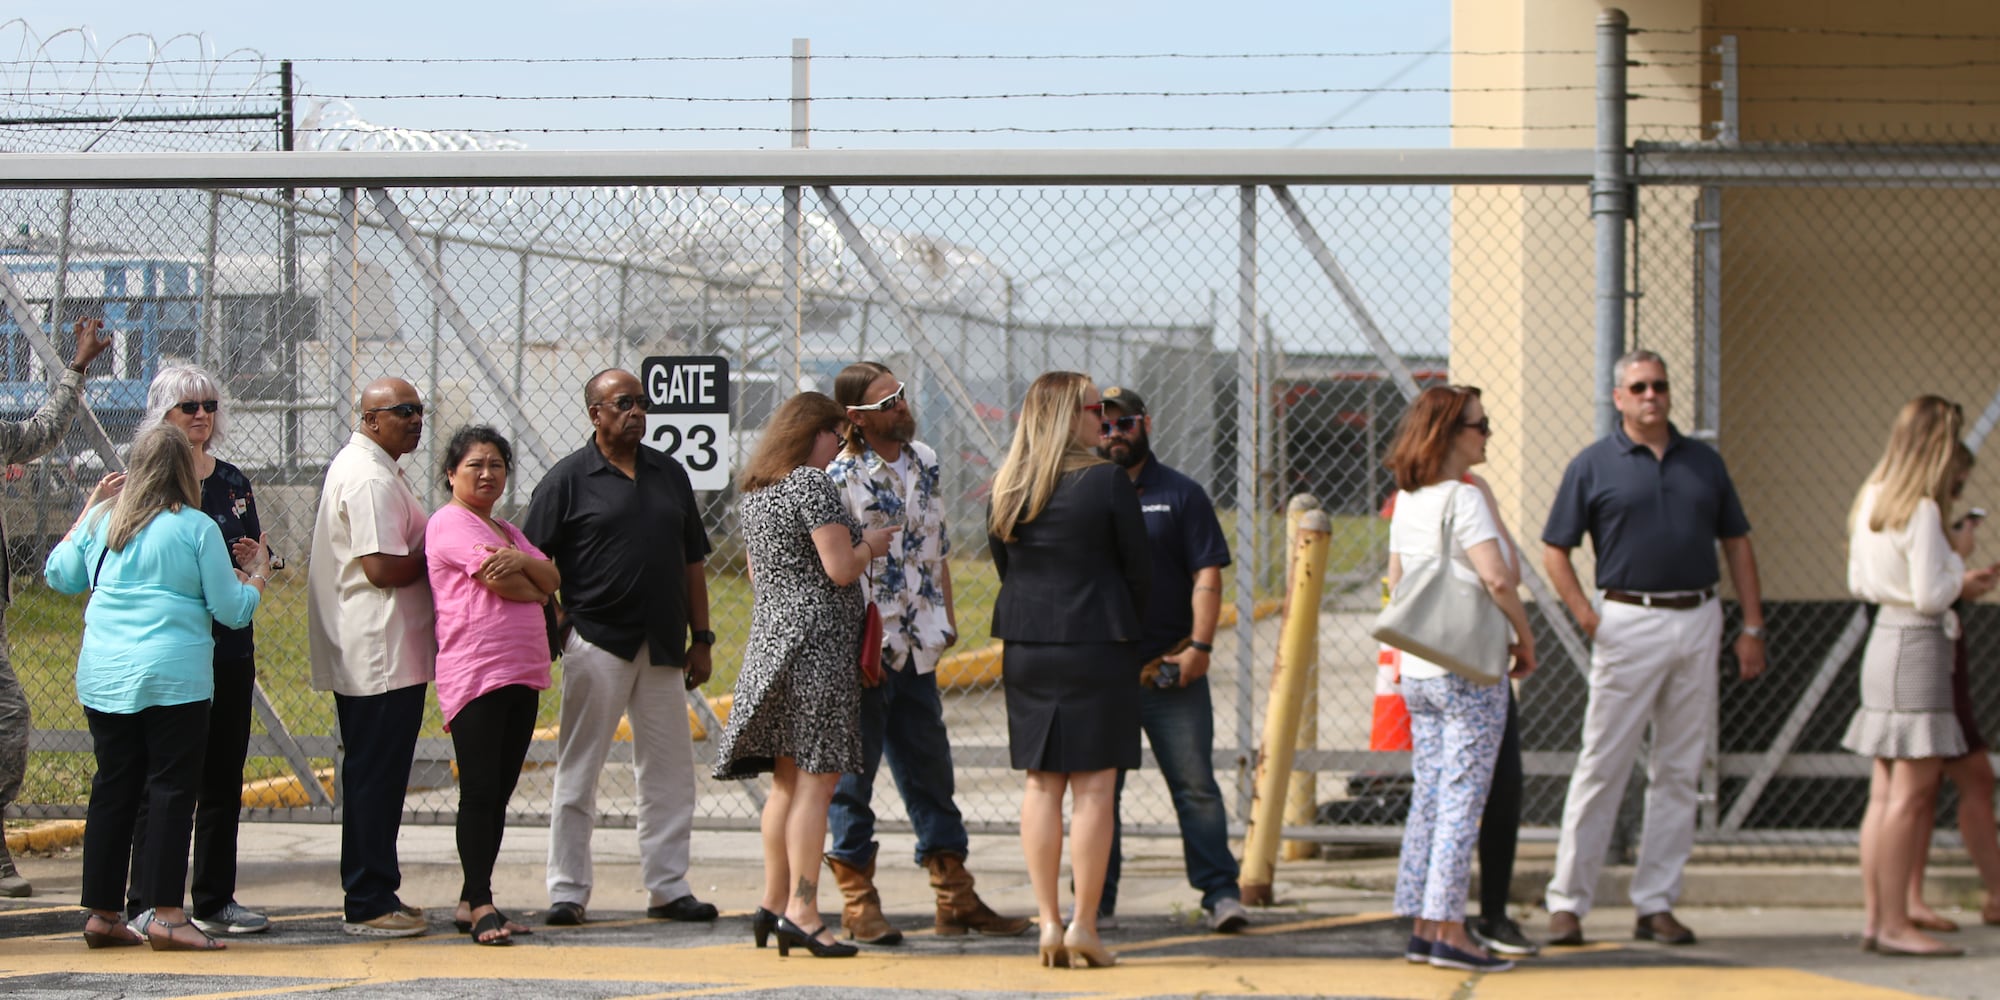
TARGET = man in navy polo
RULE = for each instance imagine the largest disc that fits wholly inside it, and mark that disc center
(1655, 504)
(1178, 715)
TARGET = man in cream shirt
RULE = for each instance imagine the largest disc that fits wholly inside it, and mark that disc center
(374, 645)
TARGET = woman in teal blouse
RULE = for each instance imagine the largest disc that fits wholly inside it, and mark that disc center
(160, 576)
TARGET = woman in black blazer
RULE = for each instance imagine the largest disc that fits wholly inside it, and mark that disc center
(1070, 546)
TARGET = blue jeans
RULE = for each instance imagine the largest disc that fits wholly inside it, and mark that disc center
(904, 719)
(1180, 726)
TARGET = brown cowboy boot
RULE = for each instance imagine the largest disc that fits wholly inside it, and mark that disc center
(958, 908)
(861, 910)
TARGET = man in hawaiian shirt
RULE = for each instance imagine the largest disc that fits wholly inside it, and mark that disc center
(886, 476)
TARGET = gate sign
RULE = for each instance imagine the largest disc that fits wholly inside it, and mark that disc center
(687, 415)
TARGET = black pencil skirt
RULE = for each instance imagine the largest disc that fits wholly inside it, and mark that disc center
(1071, 706)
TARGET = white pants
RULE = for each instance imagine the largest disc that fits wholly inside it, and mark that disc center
(1647, 665)
(598, 687)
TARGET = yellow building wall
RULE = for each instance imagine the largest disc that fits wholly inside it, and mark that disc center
(1838, 303)
(1523, 282)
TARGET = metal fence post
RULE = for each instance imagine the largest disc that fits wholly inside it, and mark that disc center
(1609, 208)
(1247, 402)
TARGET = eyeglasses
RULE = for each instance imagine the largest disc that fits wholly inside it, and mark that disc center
(889, 402)
(190, 406)
(1659, 387)
(1483, 425)
(404, 410)
(622, 404)
(1122, 425)
(1097, 408)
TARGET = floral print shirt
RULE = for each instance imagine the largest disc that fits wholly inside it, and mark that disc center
(906, 585)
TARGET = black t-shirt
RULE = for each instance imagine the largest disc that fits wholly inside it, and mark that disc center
(225, 496)
(1186, 537)
(623, 548)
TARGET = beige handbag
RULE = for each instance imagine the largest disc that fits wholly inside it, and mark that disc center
(1442, 618)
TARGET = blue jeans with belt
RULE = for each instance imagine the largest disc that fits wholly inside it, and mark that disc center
(1180, 726)
(904, 719)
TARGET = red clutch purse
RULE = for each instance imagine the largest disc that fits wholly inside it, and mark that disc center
(871, 647)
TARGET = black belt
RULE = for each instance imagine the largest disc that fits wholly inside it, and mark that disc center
(1676, 602)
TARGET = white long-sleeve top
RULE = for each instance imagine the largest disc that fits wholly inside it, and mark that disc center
(1911, 568)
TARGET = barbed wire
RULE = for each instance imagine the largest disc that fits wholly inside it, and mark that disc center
(817, 130)
(1908, 36)
(818, 98)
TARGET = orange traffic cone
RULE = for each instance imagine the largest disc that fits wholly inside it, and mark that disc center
(1391, 728)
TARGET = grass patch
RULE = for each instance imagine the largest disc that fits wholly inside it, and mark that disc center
(44, 629)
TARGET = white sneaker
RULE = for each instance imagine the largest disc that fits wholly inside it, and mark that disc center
(1228, 916)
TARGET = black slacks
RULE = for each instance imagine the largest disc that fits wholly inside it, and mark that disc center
(378, 741)
(219, 804)
(490, 737)
(1500, 825)
(152, 756)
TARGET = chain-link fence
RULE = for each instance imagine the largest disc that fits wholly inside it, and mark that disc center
(1272, 328)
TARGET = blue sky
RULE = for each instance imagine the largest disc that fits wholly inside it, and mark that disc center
(315, 35)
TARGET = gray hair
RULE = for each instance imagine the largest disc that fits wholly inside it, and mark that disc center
(182, 382)
(1638, 356)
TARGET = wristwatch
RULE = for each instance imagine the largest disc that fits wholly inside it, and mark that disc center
(1203, 646)
(1754, 631)
(704, 637)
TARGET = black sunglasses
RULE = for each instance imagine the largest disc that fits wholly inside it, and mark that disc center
(189, 407)
(889, 402)
(623, 404)
(1659, 386)
(1483, 425)
(1122, 425)
(404, 410)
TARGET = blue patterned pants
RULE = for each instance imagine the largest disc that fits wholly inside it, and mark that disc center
(1455, 728)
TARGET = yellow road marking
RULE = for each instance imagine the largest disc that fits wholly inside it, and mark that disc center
(1261, 930)
(718, 970)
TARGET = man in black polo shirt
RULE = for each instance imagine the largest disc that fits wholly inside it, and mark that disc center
(621, 523)
(1654, 504)
(1177, 713)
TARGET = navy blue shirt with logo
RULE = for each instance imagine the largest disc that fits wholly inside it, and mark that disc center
(225, 496)
(1653, 522)
(1185, 537)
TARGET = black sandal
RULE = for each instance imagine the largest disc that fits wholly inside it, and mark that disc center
(518, 929)
(494, 921)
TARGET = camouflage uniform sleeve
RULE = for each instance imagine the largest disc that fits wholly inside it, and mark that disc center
(27, 440)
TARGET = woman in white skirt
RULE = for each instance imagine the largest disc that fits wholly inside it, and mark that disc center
(1900, 559)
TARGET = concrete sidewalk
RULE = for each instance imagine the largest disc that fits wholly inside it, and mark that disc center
(1330, 911)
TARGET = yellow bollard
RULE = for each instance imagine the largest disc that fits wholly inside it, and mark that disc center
(1298, 647)
(1302, 793)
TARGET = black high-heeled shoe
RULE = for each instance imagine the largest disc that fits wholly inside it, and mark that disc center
(762, 923)
(789, 935)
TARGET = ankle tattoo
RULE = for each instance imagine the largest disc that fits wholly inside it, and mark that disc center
(807, 891)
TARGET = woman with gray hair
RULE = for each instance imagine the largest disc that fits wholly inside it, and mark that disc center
(191, 399)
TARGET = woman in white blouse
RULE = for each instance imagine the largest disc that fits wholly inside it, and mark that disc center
(1900, 559)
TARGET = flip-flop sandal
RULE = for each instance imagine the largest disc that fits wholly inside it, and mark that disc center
(514, 927)
(495, 921)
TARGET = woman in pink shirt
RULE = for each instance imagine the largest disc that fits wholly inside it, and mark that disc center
(489, 584)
